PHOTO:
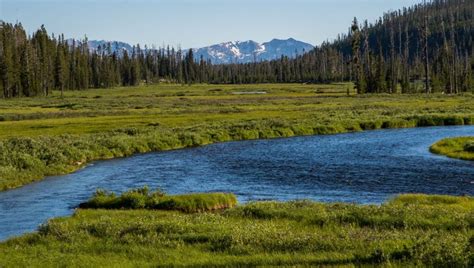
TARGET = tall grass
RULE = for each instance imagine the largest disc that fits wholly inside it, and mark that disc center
(144, 199)
(407, 231)
(461, 148)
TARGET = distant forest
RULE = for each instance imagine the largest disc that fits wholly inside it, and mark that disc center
(426, 47)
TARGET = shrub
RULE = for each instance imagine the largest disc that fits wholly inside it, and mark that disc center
(437, 120)
(469, 120)
(134, 199)
(101, 199)
(429, 121)
(23, 161)
(371, 125)
(453, 121)
(469, 147)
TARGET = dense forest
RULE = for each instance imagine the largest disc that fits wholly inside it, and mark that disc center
(427, 47)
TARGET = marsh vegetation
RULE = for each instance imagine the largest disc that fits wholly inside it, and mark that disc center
(460, 147)
(53, 135)
(423, 230)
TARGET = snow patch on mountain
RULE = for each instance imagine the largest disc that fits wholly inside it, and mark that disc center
(250, 51)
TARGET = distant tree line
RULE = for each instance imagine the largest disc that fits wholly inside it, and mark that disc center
(428, 44)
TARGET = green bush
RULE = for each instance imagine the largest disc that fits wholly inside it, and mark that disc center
(133, 200)
(437, 120)
(429, 121)
(453, 121)
(101, 199)
(469, 147)
(371, 125)
(469, 120)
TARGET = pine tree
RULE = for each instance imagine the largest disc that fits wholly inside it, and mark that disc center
(406, 62)
(59, 69)
(25, 74)
(425, 46)
(392, 78)
(6, 60)
(356, 56)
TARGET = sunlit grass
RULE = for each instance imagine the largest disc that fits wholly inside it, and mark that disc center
(461, 147)
(144, 199)
(421, 230)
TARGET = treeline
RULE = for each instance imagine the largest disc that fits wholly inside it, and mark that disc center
(36, 65)
(426, 47)
(429, 43)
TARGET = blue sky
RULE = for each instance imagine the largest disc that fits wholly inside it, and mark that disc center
(195, 23)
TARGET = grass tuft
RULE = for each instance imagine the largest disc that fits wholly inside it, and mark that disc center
(144, 199)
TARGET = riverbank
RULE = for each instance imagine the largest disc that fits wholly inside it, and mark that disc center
(460, 148)
(52, 136)
(408, 230)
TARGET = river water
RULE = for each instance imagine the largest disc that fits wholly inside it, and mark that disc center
(364, 167)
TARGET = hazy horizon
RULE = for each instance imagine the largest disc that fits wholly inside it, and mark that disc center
(187, 23)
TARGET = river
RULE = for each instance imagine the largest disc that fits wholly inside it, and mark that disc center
(365, 167)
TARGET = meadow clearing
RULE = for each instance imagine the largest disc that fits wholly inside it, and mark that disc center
(48, 136)
(53, 135)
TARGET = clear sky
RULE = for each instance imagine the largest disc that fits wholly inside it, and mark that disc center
(195, 23)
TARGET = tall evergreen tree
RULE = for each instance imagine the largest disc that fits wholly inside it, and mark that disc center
(356, 58)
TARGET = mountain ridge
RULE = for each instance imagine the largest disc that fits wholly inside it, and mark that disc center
(227, 52)
(251, 51)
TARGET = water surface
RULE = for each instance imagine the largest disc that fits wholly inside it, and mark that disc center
(365, 167)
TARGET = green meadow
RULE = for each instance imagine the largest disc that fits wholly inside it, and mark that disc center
(53, 135)
(143, 229)
(460, 147)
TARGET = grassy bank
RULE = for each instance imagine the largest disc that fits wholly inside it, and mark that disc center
(434, 231)
(461, 148)
(144, 199)
(50, 136)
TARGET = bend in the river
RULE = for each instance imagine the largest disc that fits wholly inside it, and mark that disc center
(364, 167)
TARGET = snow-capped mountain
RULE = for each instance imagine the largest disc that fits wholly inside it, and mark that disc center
(250, 51)
(229, 52)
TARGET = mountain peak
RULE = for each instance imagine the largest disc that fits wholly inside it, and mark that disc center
(249, 51)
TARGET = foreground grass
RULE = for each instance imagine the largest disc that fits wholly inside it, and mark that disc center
(51, 136)
(434, 231)
(461, 148)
